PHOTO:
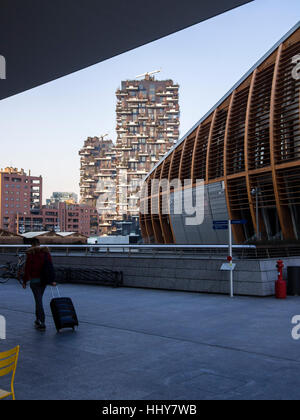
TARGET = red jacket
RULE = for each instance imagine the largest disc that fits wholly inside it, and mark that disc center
(34, 262)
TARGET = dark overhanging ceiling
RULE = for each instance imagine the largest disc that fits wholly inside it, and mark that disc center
(43, 40)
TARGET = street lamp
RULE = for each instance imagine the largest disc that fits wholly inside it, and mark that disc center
(255, 193)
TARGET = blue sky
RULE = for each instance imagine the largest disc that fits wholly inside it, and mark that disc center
(44, 128)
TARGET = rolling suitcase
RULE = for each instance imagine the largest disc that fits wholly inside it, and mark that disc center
(63, 312)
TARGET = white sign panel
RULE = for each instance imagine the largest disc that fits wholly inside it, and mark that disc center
(228, 267)
(2, 328)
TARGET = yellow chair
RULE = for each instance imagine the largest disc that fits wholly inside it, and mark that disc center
(8, 364)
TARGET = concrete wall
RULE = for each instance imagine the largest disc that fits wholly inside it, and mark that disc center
(251, 278)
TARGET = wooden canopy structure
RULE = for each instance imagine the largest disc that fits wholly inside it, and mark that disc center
(41, 41)
(250, 141)
(8, 238)
(56, 238)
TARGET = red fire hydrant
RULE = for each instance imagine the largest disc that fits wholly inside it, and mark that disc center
(280, 285)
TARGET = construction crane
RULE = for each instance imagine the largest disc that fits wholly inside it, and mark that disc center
(148, 75)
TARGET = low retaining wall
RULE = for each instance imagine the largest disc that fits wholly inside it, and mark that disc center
(251, 278)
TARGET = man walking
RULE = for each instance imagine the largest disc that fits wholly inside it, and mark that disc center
(38, 259)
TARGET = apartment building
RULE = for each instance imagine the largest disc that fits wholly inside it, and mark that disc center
(98, 179)
(147, 128)
(20, 194)
(64, 217)
(147, 116)
(21, 208)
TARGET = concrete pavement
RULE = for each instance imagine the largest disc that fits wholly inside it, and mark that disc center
(153, 344)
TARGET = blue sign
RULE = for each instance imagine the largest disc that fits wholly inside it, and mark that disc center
(220, 222)
(239, 222)
(224, 224)
(220, 227)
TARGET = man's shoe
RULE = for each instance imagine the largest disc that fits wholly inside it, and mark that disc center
(40, 326)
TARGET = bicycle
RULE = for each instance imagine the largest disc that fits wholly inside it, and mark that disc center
(12, 270)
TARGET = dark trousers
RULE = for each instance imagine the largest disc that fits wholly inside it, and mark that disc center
(38, 291)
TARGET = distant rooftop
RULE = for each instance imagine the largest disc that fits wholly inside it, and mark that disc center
(30, 235)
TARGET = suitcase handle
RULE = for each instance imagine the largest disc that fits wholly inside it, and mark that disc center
(52, 287)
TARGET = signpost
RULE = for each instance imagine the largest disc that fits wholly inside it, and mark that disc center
(230, 258)
(228, 267)
(227, 225)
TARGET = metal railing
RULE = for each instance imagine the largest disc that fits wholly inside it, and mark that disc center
(176, 251)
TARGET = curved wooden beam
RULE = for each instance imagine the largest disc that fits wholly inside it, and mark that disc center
(248, 114)
(211, 132)
(143, 227)
(226, 136)
(156, 235)
(229, 116)
(182, 157)
(171, 164)
(194, 154)
(283, 213)
(146, 213)
(169, 179)
(159, 198)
